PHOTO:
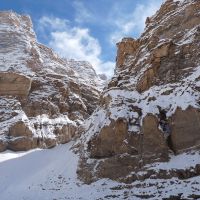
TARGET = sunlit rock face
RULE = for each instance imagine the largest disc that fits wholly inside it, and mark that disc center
(150, 109)
(43, 98)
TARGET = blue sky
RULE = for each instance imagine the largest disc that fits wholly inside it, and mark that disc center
(85, 29)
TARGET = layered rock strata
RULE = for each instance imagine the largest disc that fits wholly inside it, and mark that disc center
(150, 109)
(43, 98)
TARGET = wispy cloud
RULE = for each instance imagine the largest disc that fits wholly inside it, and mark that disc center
(73, 39)
(75, 42)
(82, 14)
(132, 23)
(54, 23)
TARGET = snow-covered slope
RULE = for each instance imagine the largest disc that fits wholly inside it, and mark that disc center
(43, 98)
(42, 174)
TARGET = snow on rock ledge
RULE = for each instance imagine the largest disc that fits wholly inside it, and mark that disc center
(43, 98)
(150, 108)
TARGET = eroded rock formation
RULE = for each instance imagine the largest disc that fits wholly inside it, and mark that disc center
(43, 98)
(150, 109)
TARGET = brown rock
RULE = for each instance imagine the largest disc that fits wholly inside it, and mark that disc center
(185, 129)
(110, 140)
(117, 167)
(127, 46)
(124, 153)
(33, 109)
(153, 142)
(50, 142)
(162, 50)
(22, 144)
(65, 133)
(3, 145)
(147, 79)
(14, 84)
(150, 76)
(20, 129)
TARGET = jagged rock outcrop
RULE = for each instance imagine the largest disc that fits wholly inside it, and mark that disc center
(126, 47)
(150, 109)
(43, 98)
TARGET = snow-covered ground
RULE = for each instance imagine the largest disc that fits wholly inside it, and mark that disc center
(46, 175)
(51, 175)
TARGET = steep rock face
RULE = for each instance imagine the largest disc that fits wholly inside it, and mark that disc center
(155, 91)
(153, 140)
(126, 47)
(185, 129)
(43, 98)
(111, 140)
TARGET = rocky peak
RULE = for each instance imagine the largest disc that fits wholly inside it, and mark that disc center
(13, 20)
(162, 50)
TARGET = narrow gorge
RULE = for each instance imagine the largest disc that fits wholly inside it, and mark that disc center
(135, 136)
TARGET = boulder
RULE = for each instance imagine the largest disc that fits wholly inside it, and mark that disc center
(22, 144)
(20, 129)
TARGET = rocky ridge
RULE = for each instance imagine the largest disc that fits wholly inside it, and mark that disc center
(43, 98)
(150, 111)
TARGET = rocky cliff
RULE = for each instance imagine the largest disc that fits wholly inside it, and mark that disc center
(43, 98)
(150, 111)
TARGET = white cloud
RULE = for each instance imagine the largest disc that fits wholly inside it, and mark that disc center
(78, 43)
(54, 23)
(75, 43)
(133, 22)
(82, 14)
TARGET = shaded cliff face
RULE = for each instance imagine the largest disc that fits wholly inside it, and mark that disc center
(150, 109)
(43, 98)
